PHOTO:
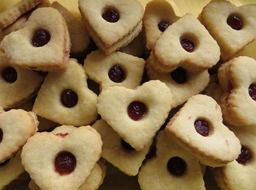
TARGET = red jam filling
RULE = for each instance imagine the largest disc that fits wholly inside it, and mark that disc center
(40, 38)
(163, 25)
(187, 45)
(69, 98)
(137, 110)
(176, 166)
(65, 163)
(116, 73)
(235, 22)
(9, 74)
(202, 127)
(245, 156)
(252, 91)
(111, 15)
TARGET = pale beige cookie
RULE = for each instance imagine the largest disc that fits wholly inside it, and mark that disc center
(182, 83)
(172, 168)
(198, 127)
(116, 69)
(118, 152)
(213, 89)
(112, 24)
(67, 154)
(65, 98)
(136, 114)
(42, 44)
(158, 16)
(248, 50)
(16, 84)
(232, 27)
(195, 49)
(17, 126)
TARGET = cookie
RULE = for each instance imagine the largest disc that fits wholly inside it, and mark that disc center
(158, 16)
(67, 154)
(13, 135)
(110, 23)
(182, 83)
(42, 44)
(118, 152)
(115, 69)
(213, 89)
(195, 49)
(172, 168)
(248, 50)
(198, 127)
(232, 27)
(136, 114)
(65, 98)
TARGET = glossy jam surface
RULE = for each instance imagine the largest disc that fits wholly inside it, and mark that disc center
(187, 45)
(137, 110)
(252, 91)
(1, 135)
(176, 166)
(235, 22)
(9, 74)
(116, 73)
(111, 15)
(126, 146)
(179, 75)
(202, 127)
(69, 98)
(65, 163)
(163, 25)
(245, 156)
(40, 38)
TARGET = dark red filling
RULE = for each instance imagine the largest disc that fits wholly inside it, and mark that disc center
(176, 166)
(9, 74)
(179, 75)
(111, 15)
(1, 135)
(245, 156)
(65, 163)
(69, 98)
(163, 25)
(136, 110)
(252, 91)
(126, 146)
(187, 45)
(235, 22)
(40, 38)
(116, 73)
(202, 127)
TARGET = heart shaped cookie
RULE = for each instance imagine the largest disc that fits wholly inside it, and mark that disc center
(42, 44)
(65, 98)
(16, 126)
(136, 114)
(67, 155)
(110, 22)
(232, 27)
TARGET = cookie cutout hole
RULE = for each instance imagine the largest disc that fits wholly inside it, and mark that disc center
(252, 91)
(111, 14)
(202, 127)
(1, 135)
(188, 42)
(235, 21)
(40, 38)
(9, 74)
(176, 166)
(126, 146)
(65, 163)
(245, 156)
(137, 110)
(116, 73)
(179, 75)
(163, 25)
(69, 98)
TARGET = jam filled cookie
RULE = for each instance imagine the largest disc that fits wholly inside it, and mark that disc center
(16, 128)
(136, 114)
(172, 168)
(198, 127)
(232, 27)
(42, 44)
(158, 16)
(110, 22)
(248, 50)
(118, 152)
(115, 69)
(67, 154)
(65, 98)
(195, 49)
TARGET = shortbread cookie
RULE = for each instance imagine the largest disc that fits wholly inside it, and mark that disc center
(118, 152)
(115, 69)
(213, 89)
(195, 49)
(158, 16)
(248, 50)
(172, 168)
(16, 127)
(238, 83)
(136, 114)
(182, 83)
(198, 127)
(67, 154)
(232, 27)
(112, 24)
(65, 98)
(42, 44)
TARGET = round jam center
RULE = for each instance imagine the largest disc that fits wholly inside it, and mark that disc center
(177, 166)
(111, 15)
(163, 25)
(187, 44)
(69, 98)
(136, 110)
(1, 135)
(252, 91)
(235, 22)
(245, 156)
(116, 73)
(179, 75)
(40, 38)
(202, 127)
(65, 163)
(126, 146)
(9, 74)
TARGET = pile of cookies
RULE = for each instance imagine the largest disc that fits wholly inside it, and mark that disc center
(158, 96)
